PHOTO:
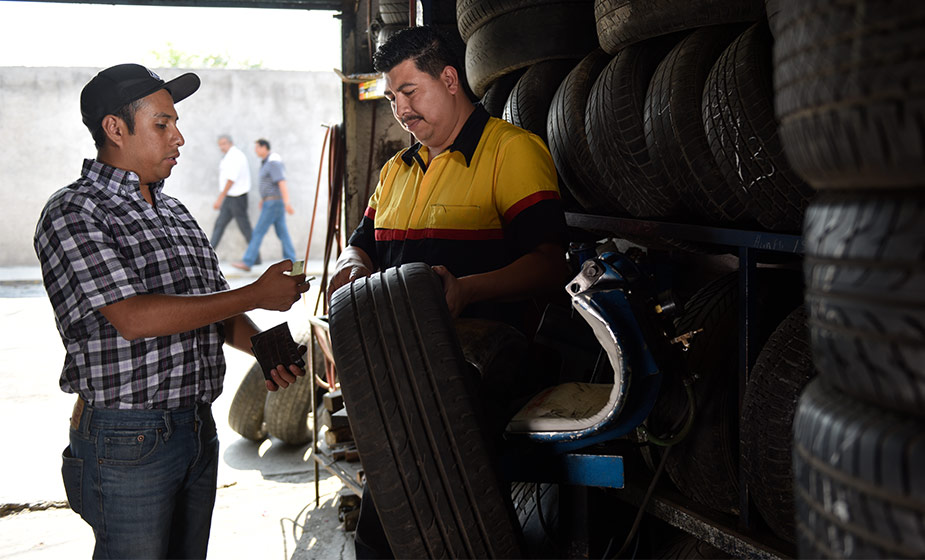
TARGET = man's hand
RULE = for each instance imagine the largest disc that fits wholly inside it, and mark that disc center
(289, 209)
(353, 263)
(283, 377)
(277, 291)
(345, 276)
(218, 203)
(457, 298)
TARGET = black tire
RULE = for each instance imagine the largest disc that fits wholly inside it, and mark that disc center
(865, 278)
(287, 412)
(394, 12)
(860, 485)
(772, 12)
(496, 97)
(675, 135)
(415, 419)
(621, 23)
(386, 32)
(528, 103)
(738, 116)
(617, 135)
(784, 367)
(540, 525)
(245, 416)
(521, 38)
(472, 14)
(705, 465)
(568, 142)
(849, 81)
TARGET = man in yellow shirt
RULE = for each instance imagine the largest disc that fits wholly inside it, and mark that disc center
(475, 197)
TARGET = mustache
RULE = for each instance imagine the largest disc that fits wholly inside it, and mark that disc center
(406, 120)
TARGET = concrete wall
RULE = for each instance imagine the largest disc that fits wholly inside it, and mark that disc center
(44, 143)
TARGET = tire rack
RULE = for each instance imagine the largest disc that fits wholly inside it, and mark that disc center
(346, 472)
(748, 245)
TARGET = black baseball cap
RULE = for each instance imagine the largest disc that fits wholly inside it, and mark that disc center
(120, 85)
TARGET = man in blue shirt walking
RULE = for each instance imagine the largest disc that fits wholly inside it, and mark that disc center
(274, 205)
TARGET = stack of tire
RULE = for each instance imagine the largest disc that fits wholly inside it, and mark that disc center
(668, 115)
(850, 97)
(506, 37)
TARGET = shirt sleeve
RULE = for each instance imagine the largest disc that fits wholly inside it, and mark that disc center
(527, 194)
(364, 236)
(276, 171)
(82, 267)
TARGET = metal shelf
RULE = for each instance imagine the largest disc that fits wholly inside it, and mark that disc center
(758, 240)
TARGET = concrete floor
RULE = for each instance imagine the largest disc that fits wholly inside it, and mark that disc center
(265, 505)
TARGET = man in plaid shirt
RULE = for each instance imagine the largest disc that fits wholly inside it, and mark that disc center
(143, 310)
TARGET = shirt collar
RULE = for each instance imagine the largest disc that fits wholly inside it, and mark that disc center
(118, 181)
(465, 142)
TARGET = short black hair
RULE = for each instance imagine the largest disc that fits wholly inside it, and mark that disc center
(426, 45)
(264, 142)
(127, 114)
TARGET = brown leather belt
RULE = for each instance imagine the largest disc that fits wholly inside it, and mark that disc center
(77, 412)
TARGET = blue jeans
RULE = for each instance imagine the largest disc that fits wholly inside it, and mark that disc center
(144, 480)
(273, 213)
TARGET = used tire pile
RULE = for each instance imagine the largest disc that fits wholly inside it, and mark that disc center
(850, 98)
(666, 111)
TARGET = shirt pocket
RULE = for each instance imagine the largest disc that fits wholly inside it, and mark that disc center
(453, 216)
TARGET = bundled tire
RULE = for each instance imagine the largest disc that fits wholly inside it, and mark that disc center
(860, 486)
(245, 416)
(414, 415)
(675, 135)
(865, 290)
(738, 116)
(614, 122)
(849, 78)
(621, 23)
(522, 37)
(568, 142)
(784, 367)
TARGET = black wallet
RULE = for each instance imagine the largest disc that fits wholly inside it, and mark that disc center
(275, 347)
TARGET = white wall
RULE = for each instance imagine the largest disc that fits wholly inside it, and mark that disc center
(43, 143)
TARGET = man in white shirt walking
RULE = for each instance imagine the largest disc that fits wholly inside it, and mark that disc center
(234, 182)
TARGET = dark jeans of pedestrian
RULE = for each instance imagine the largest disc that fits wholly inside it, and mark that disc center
(232, 207)
(144, 480)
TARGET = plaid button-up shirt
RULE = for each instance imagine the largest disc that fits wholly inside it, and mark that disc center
(100, 242)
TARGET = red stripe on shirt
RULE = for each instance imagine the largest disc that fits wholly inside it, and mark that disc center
(527, 202)
(370, 213)
(435, 233)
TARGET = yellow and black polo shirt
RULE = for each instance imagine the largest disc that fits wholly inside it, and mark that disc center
(487, 200)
